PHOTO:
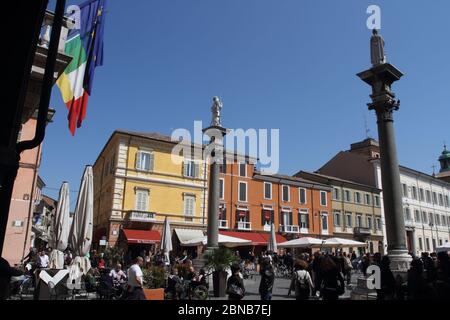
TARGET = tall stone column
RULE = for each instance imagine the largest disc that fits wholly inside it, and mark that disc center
(215, 152)
(380, 77)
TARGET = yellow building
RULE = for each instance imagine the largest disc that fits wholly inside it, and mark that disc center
(137, 184)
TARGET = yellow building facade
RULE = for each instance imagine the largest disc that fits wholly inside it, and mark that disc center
(138, 183)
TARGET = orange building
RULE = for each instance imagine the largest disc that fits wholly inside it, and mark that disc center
(251, 201)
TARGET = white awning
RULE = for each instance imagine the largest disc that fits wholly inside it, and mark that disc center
(340, 242)
(186, 235)
(443, 248)
(305, 242)
(224, 240)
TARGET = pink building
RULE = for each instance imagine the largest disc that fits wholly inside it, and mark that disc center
(27, 193)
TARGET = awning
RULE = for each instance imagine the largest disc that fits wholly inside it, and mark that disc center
(224, 240)
(257, 238)
(142, 236)
(186, 235)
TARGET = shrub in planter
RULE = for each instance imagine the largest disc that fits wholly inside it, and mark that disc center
(219, 260)
(154, 281)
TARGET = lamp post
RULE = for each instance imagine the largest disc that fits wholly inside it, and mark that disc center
(380, 77)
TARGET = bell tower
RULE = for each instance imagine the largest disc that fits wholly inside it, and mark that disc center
(444, 160)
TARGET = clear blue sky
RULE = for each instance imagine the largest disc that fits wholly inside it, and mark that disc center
(287, 64)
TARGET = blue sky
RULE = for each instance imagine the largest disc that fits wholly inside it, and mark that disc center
(287, 64)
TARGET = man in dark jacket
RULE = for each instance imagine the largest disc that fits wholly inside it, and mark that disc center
(235, 284)
(267, 279)
(388, 283)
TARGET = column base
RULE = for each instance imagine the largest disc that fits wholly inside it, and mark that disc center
(400, 262)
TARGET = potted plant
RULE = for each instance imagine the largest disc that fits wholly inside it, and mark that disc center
(154, 281)
(219, 260)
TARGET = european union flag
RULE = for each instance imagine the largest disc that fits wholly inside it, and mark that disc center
(92, 25)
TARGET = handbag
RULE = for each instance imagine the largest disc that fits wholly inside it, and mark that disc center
(236, 291)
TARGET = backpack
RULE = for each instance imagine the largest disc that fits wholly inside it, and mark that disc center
(301, 282)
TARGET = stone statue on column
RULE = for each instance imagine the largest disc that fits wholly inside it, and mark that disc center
(377, 55)
(215, 110)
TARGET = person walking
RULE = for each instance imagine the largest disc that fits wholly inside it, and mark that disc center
(347, 267)
(267, 279)
(418, 288)
(387, 279)
(301, 281)
(135, 280)
(332, 285)
(235, 284)
(443, 276)
(42, 260)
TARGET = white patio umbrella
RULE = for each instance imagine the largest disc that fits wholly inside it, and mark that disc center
(166, 241)
(80, 238)
(445, 247)
(224, 240)
(61, 228)
(341, 242)
(272, 244)
(305, 242)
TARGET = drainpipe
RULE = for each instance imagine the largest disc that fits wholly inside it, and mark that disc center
(30, 206)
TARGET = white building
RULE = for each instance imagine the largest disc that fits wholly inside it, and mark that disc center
(426, 205)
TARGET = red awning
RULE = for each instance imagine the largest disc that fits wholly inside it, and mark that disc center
(142, 236)
(257, 238)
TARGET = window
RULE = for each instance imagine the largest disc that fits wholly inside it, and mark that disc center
(430, 218)
(190, 169)
(438, 220)
(144, 161)
(267, 190)
(414, 193)
(221, 188)
(427, 243)
(405, 190)
(378, 223)
(303, 218)
(358, 221)
(189, 207)
(417, 215)
(141, 200)
(421, 194)
(242, 169)
(357, 197)
(324, 221)
(440, 242)
(369, 222)
(444, 221)
(243, 191)
(336, 194)
(302, 195)
(407, 214)
(285, 193)
(348, 196)
(377, 200)
(428, 196)
(424, 217)
(337, 218)
(441, 200)
(446, 203)
(223, 166)
(367, 199)
(348, 222)
(420, 244)
(434, 244)
(323, 198)
(435, 198)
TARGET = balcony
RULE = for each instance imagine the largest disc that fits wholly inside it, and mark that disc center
(289, 229)
(361, 231)
(37, 71)
(244, 225)
(223, 224)
(141, 216)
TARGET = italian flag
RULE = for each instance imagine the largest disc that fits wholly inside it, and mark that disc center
(70, 83)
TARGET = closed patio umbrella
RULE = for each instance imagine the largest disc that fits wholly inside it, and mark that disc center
(80, 238)
(166, 241)
(272, 244)
(61, 228)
